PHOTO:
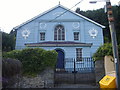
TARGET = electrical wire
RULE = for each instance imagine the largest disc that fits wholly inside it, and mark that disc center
(66, 11)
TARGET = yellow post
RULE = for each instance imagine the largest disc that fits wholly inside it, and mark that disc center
(108, 82)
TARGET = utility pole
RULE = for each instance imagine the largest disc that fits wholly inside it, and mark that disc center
(113, 38)
(114, 41)
(0, 58)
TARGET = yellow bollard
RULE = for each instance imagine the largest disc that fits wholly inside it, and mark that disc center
(108, 82)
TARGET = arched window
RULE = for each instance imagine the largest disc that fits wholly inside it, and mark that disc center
(59, 33)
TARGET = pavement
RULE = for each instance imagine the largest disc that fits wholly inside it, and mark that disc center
(76, 86)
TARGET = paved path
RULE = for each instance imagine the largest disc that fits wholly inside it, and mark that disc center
(75, 86)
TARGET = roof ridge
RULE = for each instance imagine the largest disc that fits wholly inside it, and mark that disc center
(39, 15)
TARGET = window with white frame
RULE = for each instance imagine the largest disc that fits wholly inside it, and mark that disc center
(76, 35)
(78, 54)
(59, 33)
(42, 36)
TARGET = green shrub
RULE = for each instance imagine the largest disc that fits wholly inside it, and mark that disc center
(51, 60)
(102, 51)
(33, 60)
(15, 54)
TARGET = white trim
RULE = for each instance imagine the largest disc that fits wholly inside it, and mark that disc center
(85, 17)
(58, 45)
(53, 9)
(35, 17)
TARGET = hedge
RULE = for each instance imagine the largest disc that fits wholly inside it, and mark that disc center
(104, 50)
(34, 60)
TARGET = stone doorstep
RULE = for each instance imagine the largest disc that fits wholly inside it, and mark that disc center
(59, 70)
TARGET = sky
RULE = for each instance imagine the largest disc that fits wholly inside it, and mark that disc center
(15, 12)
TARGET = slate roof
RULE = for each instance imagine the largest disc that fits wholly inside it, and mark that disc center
(58, 43)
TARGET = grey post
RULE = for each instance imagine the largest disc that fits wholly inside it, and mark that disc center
(114, 41)
(0, 59)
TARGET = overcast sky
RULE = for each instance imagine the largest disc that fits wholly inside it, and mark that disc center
(15, 12)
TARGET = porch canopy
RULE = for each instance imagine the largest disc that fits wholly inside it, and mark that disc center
(59, 44)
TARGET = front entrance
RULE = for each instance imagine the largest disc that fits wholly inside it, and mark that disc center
(77, 73)
(60, 59)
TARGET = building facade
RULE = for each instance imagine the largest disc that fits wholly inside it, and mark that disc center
(72, 35)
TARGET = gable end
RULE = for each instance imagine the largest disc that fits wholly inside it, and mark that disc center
(66, 9)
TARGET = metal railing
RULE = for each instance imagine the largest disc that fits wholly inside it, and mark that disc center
(76, 72)
(84, 65)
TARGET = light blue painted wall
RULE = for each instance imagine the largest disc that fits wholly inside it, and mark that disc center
(70, 52)
(67, 21)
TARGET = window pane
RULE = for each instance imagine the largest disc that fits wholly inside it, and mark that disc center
(59, 32)
(79, 54)
(55, 35)
(42, 36)
(76, 35)
(63, 34)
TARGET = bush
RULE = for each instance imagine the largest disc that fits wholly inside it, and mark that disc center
(34, 60)
(12, 54)
(50, 58)
(11, 71)
(104, 50)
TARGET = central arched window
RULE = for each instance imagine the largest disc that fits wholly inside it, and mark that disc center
(59, 33)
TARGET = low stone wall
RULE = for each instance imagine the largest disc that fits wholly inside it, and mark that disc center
(9, 82)
(99, 70)
(43, 80)
(27, 82)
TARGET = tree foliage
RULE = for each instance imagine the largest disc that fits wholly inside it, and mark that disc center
(101, 17)
(8, 42)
